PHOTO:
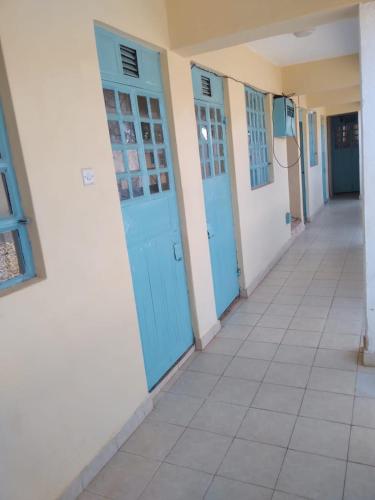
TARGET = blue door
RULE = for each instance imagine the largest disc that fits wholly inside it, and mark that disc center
(303, 166)
(138, 132)
(345, 153)
(209, 111)
(324, 159)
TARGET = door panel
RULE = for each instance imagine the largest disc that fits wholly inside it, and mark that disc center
(143, 166)
(345, 153)
(211, 129)
(303, 174)
(324, 160)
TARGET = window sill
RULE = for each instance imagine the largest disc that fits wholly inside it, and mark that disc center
(20, 286)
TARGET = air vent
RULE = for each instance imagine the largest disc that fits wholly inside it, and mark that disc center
(206, 86)
(129, 61)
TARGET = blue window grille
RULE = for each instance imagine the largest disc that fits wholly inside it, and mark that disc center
(313, 139)
(16, 263)
(257, 136)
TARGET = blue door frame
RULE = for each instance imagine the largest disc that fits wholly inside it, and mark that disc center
(345, 153)
(211, 127)
(138, 129)
(324, 158)
(303, 169)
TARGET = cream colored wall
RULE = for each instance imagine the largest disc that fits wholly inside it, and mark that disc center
(294, 176)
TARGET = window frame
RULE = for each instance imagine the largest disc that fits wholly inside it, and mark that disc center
(260, 172)
(16, 220)
(313, 138)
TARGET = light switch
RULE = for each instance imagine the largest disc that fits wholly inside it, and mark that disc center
(88, 176)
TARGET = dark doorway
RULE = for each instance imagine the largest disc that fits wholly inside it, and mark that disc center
(344, 154)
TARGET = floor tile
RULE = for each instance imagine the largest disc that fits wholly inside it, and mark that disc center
(176, 483)
(340, 341)
(86, 495)
(272, 321)
(263, 334)
(346, 302)
(199, 450)
(360, 482)
(240, 332)
(243, 318)
(257, 350)
(280, 495)
(320, 312)
(308, 324)
(250, 369)
(282, 310)
(284, 299)
(327, 406)
(267, 426)
(216, 416)
(278, 398)
(253, 462)
(194, 384)
(364, 412)
(321, 437)
(301, 338)
(209, 363)
(295, 354)
(253, 307)
(175, 408)
(125, 476)
(312, 476)
(223, 345)
(341, 360)
(153, 439)
(365, 385)
(316, 301)
(287, 374)
(235, 390)
(362, 445)
(343, 325)
(228, 489)
(332, 380)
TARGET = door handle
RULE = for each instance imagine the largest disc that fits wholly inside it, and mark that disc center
(177, 250)
(210, 234)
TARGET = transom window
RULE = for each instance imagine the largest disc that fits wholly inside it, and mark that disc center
(15, 251)
(211, 137)
(346, 135)
(257, 137)
(137, 133)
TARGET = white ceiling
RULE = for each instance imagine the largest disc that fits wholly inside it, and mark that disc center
(335, 39)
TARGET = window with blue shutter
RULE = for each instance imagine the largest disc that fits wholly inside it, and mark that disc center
(16, 263)
(257, 136)
(313, 139)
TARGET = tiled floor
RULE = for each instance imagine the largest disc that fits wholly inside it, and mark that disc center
(276, 406)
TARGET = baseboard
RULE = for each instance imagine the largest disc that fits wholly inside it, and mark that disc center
(201, 343)
(107, 452)
(245, 293)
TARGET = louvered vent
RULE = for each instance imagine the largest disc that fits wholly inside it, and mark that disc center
(206, 86)
(129, 61)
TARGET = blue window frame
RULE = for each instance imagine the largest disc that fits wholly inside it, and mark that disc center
(257, 136)
(16, 264)
(313, 139)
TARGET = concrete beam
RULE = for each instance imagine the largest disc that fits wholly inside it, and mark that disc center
(334, 97)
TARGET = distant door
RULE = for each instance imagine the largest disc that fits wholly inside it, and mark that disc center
(138, 131)
(345, 153)
(324, 158)
(303, 174)
(209, 111)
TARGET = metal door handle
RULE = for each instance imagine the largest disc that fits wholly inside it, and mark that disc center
(177, 250)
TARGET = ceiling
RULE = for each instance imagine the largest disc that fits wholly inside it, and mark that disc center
(335, 39)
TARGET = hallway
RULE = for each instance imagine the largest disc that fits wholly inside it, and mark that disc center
(276, 406)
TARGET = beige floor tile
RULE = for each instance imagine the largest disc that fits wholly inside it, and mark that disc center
(175, 408)
(362, 445)
(341, 360)
(364, 412)
(267, 426)
(243, 318)
(301, 338)
(278, 398)
(240, 332)
(222, 418)
(223, 345)
(327, 406)
(209, 363)
(295, 354)
(287, 374)
(332, 380)
(360, 482)
(263, 334)
(257, 350)
(250, 369)
(194, 384)
(228, 489)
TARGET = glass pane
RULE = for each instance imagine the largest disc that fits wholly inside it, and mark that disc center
(155, 109)
(204, 133)
(123, 189)
(133, 160)
(164, 179)
(212, 114)
(146, 132)
(153, 183)
(142, 106)
(114, 132)
(218, 115)
(213, 131)
(222, 166)
(150, 160)
(110, 100)
(162, 158)
(11, 261)
(217, 167)
(208, 170)
(137, 186)
(220, 132)
(196, 111)
(118, 160)
(125, 104)
(5, 209)
(158, 133)
(214, 149)
(221, 149)
(129, 131)
(203, 113)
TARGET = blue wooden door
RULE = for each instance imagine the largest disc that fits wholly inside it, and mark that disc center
(303, 167)
(211, 128)
(345, 153)
(324, 159)
(138, 132)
